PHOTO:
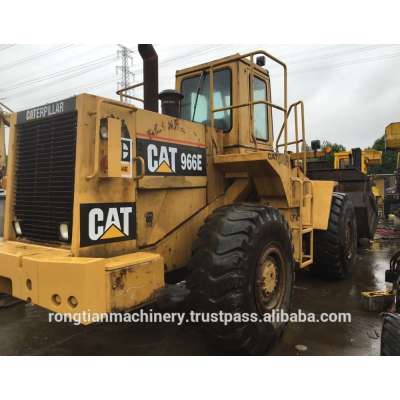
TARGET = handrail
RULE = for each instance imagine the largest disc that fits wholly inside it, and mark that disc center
(211, 66)
(7, 108)
(297, 141)
(142, 168)
(286, 112)
(121, 94)
(215, 64)
(250, 104)
(267, 103)
(5, 117)
(280, 132)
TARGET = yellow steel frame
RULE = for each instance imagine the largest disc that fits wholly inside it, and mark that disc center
(213, 65)
(123, 95)
(368, 157)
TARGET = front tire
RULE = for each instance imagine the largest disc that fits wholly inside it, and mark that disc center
(336, 248)
(390, 338)
(243, 264)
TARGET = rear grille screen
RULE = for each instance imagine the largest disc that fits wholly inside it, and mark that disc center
(45, 170)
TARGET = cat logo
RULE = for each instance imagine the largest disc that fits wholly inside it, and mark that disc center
(104, 223)
(161, 159)
(126, 150)
(126, 158)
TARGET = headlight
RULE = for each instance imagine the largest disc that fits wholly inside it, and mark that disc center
(104, 132)
(64, 232)
(17, 228)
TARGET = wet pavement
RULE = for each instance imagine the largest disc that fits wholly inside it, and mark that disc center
(24, 329)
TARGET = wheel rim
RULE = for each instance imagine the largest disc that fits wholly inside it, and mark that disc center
(348, 237)
(270, 279)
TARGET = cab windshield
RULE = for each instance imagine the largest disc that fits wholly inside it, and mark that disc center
(195, 105)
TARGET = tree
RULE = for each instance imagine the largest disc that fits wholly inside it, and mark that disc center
(389, 159)
(335, 147)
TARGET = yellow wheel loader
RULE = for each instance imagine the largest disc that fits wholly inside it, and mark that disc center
(391, 200)
(349, 169)
(106, 199)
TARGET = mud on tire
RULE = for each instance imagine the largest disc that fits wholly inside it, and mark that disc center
(390, 338)
(242, 263)
(336, 248)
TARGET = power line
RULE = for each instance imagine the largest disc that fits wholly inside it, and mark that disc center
(315, 60)
(7, 46)
(36, 56)
(186, 56)
(67, 73)
(348, 63)
(77, 90)
(81, 71)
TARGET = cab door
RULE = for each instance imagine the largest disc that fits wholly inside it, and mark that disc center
(262, 114)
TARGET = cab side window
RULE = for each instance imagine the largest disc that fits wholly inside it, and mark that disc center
(260, 111)
(195, 105)
(344, 163)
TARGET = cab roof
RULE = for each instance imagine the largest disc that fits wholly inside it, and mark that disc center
(204, 66)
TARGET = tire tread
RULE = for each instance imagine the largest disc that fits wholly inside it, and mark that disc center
(219, 269)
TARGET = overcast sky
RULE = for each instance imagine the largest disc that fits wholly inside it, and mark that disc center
(351, 92)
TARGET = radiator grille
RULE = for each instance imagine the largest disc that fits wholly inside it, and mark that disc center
(45, 170)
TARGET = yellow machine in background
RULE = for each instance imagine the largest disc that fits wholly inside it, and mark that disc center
(392, 136)
(349, 170)
(105, 199)
(392, 193)
(343, 159)
(379, 187)
(369, 157)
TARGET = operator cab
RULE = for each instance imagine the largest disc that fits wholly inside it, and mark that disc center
(235, 83)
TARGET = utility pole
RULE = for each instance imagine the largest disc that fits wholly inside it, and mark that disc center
(125, 75)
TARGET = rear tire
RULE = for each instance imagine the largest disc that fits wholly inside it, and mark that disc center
(390, 338)
(243, 264)
(336, 248)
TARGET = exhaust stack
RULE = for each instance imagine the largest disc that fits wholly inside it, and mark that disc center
(150, 76)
